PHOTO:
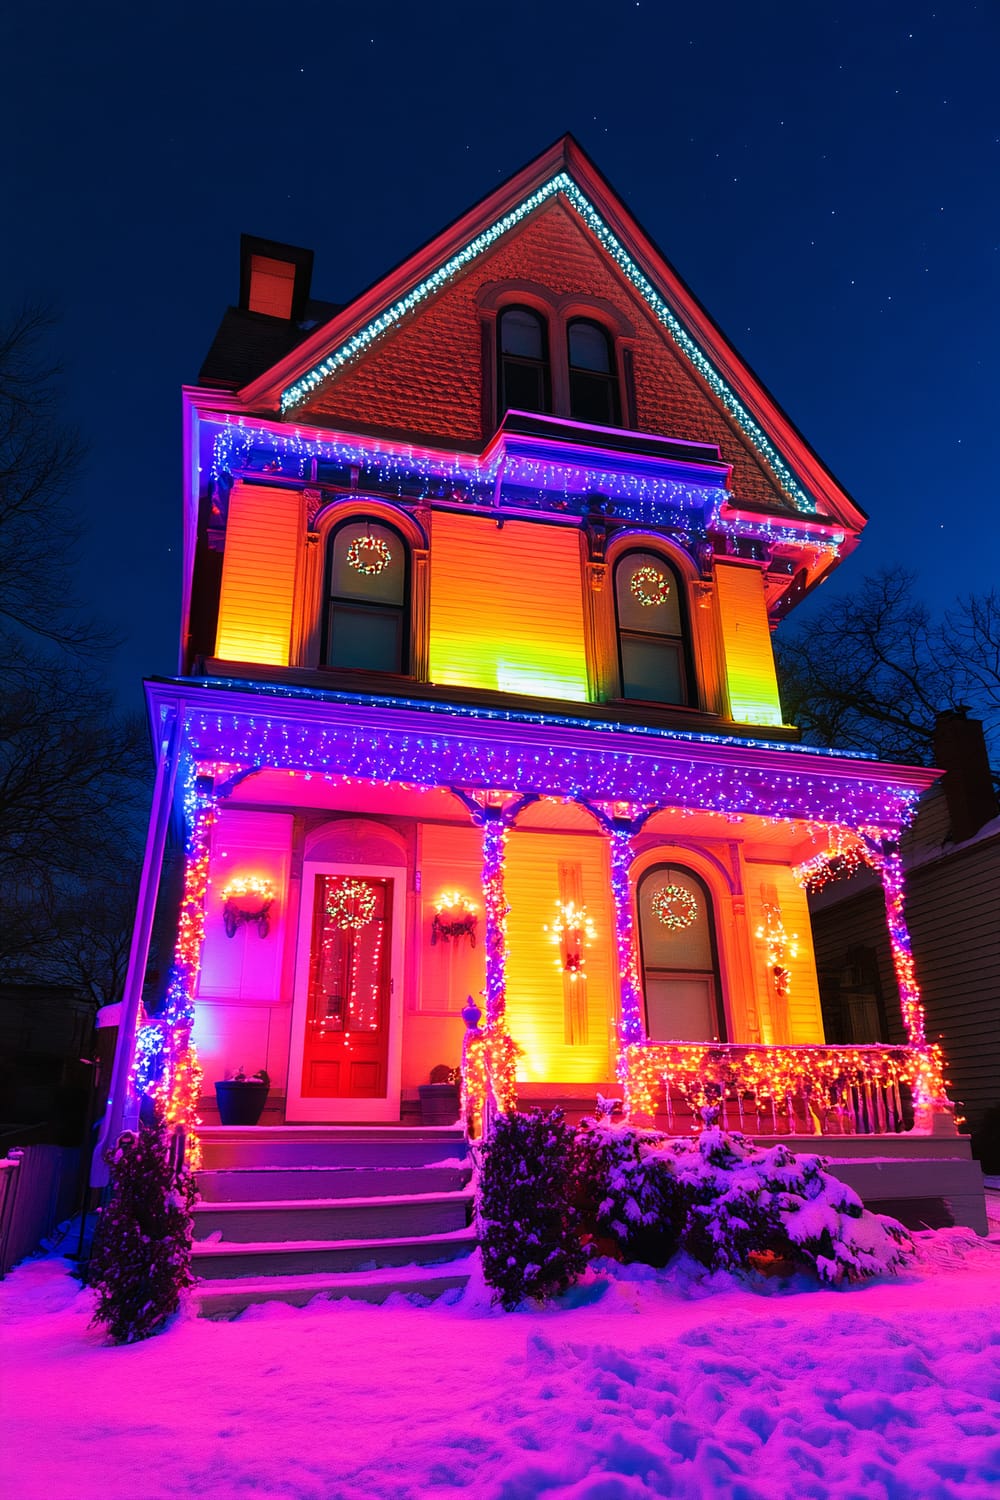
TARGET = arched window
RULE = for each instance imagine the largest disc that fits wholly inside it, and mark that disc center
(523, 347)
(367, 610)
(679, 963)
(593, 379)
(651, 645)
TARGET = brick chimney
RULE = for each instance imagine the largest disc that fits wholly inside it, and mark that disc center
(960, 751)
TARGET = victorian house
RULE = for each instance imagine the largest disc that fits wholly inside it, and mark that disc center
(476, 697)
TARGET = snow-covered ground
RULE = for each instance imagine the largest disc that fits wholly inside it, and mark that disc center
(637, 1384)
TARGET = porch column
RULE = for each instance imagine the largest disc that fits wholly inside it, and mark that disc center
(929, 1095)
(494, 825)
(630, 1025)
(159, 817)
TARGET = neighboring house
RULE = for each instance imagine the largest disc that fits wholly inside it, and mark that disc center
(476, 697)
(951, 855)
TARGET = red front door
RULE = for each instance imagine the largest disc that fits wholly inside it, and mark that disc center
(347, 1015)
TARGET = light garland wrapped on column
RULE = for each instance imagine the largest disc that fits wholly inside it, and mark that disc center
(630, 1027)
(166, 1068)
(496, 909)
(930, 1085)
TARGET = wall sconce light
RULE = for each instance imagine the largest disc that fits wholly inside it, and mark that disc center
(573, 930)
(248, 898)
(454, 917)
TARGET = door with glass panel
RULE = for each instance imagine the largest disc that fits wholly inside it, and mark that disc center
(347, 1015)
(679, 962)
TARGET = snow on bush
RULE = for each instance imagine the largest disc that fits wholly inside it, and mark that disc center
(527, 1224)
(630, 1203)
(772, 1210)
(640, 1196)
(141, 1261)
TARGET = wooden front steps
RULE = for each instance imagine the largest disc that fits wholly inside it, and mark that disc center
(289, 1213)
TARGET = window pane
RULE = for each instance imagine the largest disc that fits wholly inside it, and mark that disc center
(676, 921)
(593, 398)
(521, 334)
(370, 639)
(369, 562)
(652, 670)
(648, 595)
(524, 386)
(680, 1008)
(589, 348)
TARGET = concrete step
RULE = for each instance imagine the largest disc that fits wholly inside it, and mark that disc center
(333, 1219)
(218, 1260)
(224, 1299)
(923, 1192)
(225, 1147)
(273, 1184)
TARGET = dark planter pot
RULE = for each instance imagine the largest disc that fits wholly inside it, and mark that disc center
(438, 1103)
(240, 1103)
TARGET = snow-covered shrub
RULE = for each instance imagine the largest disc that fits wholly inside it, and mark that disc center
(748, 1208)
(628, 1197)
(141, 1260)
(527, 1225)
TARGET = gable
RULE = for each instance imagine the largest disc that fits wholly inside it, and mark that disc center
(425, 377)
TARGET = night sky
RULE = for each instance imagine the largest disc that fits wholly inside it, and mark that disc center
(826, 179)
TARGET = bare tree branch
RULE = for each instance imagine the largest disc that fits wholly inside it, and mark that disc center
(874, 670)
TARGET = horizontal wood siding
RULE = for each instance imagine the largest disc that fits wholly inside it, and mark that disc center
(507, 607)
(258, 575)
(799, 1019)
(535, 988)
(749, 656)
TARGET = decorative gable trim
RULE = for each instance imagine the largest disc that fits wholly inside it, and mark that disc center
(562, 183)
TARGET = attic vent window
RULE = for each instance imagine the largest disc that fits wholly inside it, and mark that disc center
(272, 283)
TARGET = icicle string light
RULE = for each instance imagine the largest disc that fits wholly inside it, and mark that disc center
(562, 183)
(450, 757)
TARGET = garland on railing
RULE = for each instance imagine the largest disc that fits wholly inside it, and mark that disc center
(821, 1076)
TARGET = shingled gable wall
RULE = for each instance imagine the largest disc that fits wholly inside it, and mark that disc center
(426, 378)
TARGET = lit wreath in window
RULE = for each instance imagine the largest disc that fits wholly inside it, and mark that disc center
(675, 907)
(649, 586)
(351, 905)
(369, 555)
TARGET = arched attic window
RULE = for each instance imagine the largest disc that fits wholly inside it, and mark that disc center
(652, 646)
(679, 957)
(367, 623)
(593, 378)
(524, 381)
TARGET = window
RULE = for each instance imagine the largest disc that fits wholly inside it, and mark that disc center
(367, 614)
(593, 380)
(524, 380)
(651, 646)
(680, 968)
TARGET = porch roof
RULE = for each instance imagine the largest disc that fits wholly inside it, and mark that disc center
(398, 739)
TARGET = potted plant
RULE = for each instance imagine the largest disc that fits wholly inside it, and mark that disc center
(241, 1099)
(439, 1099)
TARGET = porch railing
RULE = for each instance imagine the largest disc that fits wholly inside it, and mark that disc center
(763, 1090)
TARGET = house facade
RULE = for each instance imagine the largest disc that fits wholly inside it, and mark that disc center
(476, 697)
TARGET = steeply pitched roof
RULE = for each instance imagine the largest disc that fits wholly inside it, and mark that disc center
(566, 173)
